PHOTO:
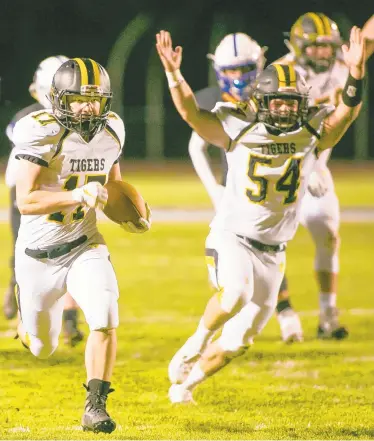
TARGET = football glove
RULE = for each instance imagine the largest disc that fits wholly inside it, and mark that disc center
(93, 195)
(143, 225)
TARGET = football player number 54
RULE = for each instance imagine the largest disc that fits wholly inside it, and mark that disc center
(70, 184)
(288, 183)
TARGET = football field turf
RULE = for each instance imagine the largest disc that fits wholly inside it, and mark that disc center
(314, 390)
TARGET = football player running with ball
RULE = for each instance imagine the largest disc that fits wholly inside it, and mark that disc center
(40, 90)
(271, 153)
(66, 156)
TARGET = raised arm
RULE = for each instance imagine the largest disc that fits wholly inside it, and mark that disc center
(338, 122)
(205, 123)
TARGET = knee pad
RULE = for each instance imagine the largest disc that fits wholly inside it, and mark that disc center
(42, 349)
(103, 322)
(327, 252)
(229, 298)
(232, 348)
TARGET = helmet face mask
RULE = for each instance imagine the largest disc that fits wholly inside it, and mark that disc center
(310, 32)
(237, 80)
(237, 61)
(282, 110)
(282, 97)
(81, 97)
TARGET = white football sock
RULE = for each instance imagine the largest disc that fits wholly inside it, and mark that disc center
(195, 377)
(202, 334)
(327, 300)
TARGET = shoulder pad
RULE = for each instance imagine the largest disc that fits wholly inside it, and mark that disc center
(316, 116)
(115, 124)
(36, 126)
(320, 111)
(234, 117)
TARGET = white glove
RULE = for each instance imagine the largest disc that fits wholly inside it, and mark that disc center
(317, 184)
(143, 225)
(93, 195)
(216, 196)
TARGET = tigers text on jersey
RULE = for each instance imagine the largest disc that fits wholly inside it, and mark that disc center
(69, 163)
(267, 175)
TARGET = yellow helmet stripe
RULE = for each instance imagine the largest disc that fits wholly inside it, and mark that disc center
(83, 71)
(96, 72)
(326, 23)
(281, 75)
(317, 22)
(291, 74)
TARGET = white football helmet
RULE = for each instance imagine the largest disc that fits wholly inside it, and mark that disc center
(40, 87)
(236, 51)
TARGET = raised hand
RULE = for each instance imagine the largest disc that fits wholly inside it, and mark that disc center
(354, 54)
(170, 58)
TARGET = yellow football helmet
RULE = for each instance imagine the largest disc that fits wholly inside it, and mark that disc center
(86, 78)
(314, 29)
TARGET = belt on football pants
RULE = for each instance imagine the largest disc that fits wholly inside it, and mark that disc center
(55, 251)
(262, 246)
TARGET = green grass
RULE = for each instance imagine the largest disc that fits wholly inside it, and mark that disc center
(315, 390)
(175, 184)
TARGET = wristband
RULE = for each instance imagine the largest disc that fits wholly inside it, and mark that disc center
(174, 78)
(352, 92)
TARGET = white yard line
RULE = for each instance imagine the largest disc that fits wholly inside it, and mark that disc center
(351, 215)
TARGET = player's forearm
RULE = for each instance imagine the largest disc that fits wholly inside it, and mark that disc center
(39, 202)
(183, 97)
(338, 122)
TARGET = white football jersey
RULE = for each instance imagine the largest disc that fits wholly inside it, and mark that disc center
(325, 88)
(267, 175)
(69, 163)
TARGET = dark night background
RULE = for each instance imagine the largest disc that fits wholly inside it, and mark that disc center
(33, 30)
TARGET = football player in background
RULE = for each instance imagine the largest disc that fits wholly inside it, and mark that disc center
(368, 33)
(66, 156)
(237, 61)
(315, 52)
(40, 91)
(259, 210)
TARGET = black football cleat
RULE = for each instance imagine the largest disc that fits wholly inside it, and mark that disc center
(96, 418)
(329, 327)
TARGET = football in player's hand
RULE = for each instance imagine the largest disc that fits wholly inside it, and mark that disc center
(124, 203)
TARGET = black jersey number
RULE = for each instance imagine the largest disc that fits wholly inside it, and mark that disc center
(70, 184)
(288, 183)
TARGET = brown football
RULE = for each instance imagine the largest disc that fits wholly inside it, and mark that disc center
(124, 203)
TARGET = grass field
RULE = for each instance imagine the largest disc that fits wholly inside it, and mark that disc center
(313, 390)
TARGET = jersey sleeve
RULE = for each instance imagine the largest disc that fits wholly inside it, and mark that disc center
(316, 117)
(117, 129)
(234, 118)
(35, 138)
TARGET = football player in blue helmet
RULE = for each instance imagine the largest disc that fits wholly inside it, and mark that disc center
(237, 61)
